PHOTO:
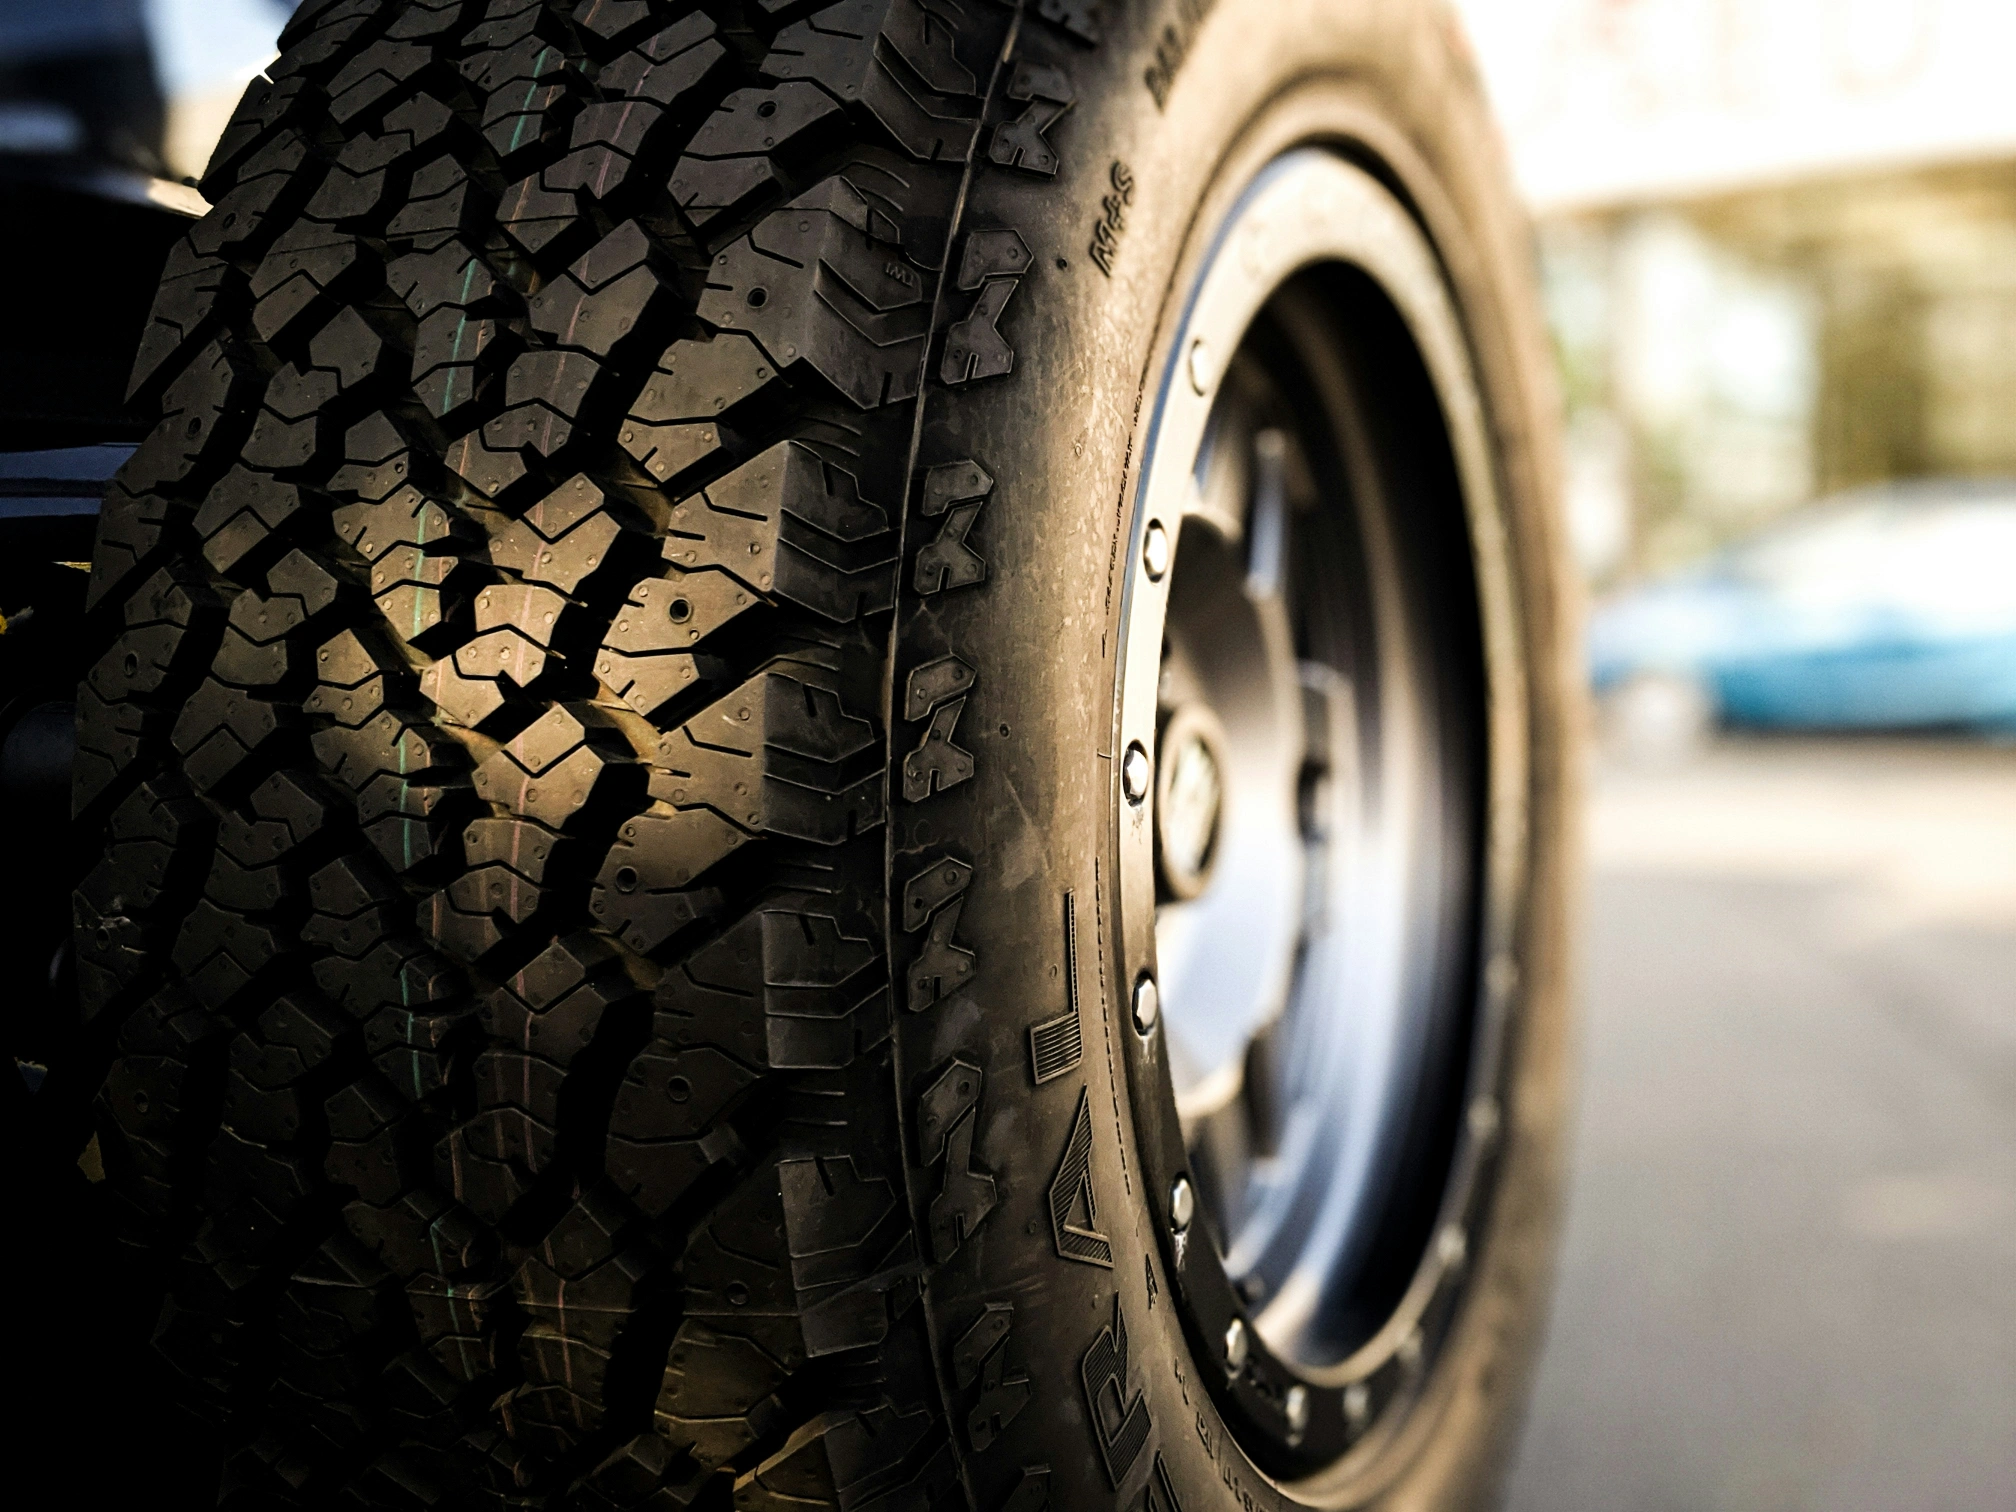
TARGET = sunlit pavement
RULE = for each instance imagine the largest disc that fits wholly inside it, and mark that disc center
(1788, 1279)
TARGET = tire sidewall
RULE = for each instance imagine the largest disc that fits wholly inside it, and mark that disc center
(1389, 87)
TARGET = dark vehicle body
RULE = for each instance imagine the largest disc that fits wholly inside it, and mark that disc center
(88, 221)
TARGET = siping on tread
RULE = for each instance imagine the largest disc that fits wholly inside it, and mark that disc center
(484, 737)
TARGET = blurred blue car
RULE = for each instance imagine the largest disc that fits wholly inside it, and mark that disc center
(1886, 608)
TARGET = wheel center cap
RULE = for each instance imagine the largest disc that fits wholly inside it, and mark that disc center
(1189, 799)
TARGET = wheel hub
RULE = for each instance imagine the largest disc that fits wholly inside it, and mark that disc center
(1302, 722)
(1189, 799)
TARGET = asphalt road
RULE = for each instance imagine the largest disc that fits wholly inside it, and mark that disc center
(1788, 1279)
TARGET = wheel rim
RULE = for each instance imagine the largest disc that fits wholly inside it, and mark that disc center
(1325, 716)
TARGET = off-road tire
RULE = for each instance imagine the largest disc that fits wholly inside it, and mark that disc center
(593, 722)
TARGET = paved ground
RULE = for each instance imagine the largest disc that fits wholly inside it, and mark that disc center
(1788, 1280)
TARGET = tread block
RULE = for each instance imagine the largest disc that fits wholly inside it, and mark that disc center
(364, 1121)
(405, 518)
(823, 282)
(556, 1018)
(937, 764)
(260, 110)
(422, 1232)
(221, 953)
(439, 205)
(933, 683)
(395, 977)
(771, 757)
(223, 729)
(953, 492)
(605, 296)
(355, 680)
(1078, 17)
(370, 77)
(648, 1471)
(554, 768)
(942, 966)
(295, 1036)
(932, 114)
(981, 1355)
(1023, 142)
(339, 1294)
(649, 654)
(715, 1381)
(407, 822)
(130, 531)
(191, 284)
(524, 84)
(543, 392)
(390, 744)
(792, 524)
(157, 843)
(610, 19)
(268, 179)
(789, 986)
(641, 893)
(670, 426)
(566, 538)
(374, 460)
(946, 1121)
(162, 1049)
(240, 513)
(735, 155)
(640, 88)
(307, 268)
(198, 408)
(289, 810)
(852, 1459)
(458, 1322)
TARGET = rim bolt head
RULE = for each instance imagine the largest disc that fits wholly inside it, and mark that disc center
(1155, 551)
(1236, 1346)
(1182, 1204)
(1135, 773)
(1200, 366)
(1298, 1410)
(1147, 1014)
(1147, 1005)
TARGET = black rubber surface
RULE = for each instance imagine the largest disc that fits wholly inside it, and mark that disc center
(486, 735)
(591, 928)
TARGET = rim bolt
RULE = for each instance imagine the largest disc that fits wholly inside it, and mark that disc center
(1298, 1410)
(1200, 366)
(1155, 551)
(1147, 1014)
(1134, 773)
(1236, 1345)
(1182, 1204)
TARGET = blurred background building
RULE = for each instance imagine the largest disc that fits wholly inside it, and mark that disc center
(1778, 244)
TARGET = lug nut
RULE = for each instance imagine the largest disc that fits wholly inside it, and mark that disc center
(1147, 1009)
(1155, 551)
(1182, 1204)
(1297, 1407)
(1235, 1346)
(1135, 773)
(1357, 1404)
